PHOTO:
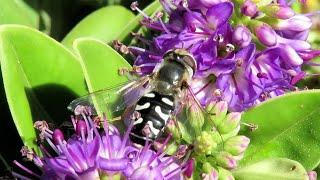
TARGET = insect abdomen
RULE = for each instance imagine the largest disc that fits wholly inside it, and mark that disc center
(155, 110)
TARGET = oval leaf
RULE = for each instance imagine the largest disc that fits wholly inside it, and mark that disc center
(18, 12)
(280, 169)
(104, 24)
(100, 64)
(40, 77)
(288, 127)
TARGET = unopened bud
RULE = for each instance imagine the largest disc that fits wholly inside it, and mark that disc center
(278, 11)
(241, 36)
(219, 112)
(236, 145)
(205, 144)
(226, 160)
(225, 174)
(249, 8)
(231, 122)
(312, 175)
(209, 172)
(266, 35)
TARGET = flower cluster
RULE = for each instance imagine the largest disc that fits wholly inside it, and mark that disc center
(246, 51)
(90, 154)
(217, 147)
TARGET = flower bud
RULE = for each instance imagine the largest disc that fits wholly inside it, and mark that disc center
(231, 122)
(209, 172)
(226, 160)
(241, 36)
(278, 11)
(225, 174)
(236, 145)
(57, 136)
(266, 35)
(249, 8)
(219, 111)
(205, 144)
(312, 175)
(295, 23)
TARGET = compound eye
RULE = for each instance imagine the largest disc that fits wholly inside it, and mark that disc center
(170, 55)
(190, 61)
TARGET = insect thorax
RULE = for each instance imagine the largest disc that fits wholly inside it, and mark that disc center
(170, 77)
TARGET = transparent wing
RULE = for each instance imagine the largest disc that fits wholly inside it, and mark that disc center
(112, 101)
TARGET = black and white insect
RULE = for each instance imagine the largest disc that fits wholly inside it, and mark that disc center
(150, 100)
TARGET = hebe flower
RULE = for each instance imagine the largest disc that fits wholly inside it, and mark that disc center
(94, 154)
(254, 51)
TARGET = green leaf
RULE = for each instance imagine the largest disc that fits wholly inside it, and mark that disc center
(100, 64)
(104, 24)
(134, 24)
(18, 12)
(40, 78)
(288, 127)
(277, 168)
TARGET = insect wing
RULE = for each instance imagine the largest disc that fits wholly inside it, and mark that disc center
(112, 101)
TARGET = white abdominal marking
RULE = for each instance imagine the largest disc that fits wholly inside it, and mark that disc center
(150, 95)
(145, 106)
(167, 101)
(138, 121)
(163, 116)
(153, 129)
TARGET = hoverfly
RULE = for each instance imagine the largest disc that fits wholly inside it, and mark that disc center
(155, 98)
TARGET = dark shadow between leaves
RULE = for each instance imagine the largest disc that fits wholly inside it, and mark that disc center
(49, 102)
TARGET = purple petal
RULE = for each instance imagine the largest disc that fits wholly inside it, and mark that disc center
(219, 14)
(146, 173)
(93, 149)
(113, 164)
(60, 165)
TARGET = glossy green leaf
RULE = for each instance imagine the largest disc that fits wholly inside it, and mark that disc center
(288, 126)
(18, 12)
(40, 78)
(104, 24)
(276, 168)
(100, 64)
(134, 24)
